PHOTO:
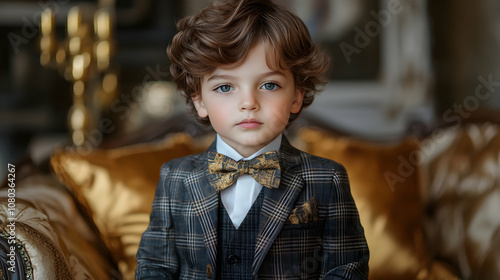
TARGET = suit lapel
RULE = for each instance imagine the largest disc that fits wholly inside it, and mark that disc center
(205, 201)
(278, 203)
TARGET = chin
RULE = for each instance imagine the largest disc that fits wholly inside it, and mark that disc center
(260, 140)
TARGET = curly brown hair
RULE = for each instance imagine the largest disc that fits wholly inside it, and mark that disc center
(225, 31)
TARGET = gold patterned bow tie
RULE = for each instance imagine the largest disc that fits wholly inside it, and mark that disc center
(224, 171)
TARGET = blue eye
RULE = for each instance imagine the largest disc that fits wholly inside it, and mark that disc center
(224, 88)
(270, 86)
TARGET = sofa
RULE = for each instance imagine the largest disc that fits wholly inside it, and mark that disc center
(428, 202)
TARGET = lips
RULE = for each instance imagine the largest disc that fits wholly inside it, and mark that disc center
(249, 123)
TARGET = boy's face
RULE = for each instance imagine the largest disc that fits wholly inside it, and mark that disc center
(248, 104)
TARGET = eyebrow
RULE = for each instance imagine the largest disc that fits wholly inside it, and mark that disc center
(229, 77)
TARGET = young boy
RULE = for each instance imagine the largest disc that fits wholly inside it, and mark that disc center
(251, 206)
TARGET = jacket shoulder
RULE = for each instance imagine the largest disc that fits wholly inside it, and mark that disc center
(187, 163)
(327, 177)
(320, 163)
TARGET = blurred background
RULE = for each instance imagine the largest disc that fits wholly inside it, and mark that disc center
(100, 71)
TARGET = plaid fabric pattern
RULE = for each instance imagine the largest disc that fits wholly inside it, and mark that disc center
(224, 171)
(181, 240)
(236, 246)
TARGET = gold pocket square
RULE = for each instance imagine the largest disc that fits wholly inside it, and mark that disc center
(307, 212)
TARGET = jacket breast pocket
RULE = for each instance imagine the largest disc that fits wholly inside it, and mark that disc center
(304, 214)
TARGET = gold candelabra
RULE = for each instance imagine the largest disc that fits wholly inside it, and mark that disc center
(84, 59)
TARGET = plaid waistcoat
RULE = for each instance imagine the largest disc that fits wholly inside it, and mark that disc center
(236, 247)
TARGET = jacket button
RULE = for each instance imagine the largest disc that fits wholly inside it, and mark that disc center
(209, 271)
(233, 260)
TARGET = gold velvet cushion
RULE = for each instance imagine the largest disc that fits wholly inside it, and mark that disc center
(117, 187)
(385, 184)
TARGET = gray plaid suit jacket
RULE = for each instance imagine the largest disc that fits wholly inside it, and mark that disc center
(309, 226)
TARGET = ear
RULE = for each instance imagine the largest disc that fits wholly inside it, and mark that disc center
(199, 105)
(298, 99)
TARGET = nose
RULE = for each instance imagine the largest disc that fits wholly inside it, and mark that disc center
(249, 101)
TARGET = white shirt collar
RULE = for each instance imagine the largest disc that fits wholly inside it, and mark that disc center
(223, 148)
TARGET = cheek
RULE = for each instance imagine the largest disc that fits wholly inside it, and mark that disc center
(280, 116)
(219, 115)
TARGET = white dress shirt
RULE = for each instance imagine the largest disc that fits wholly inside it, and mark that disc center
(244, 192)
